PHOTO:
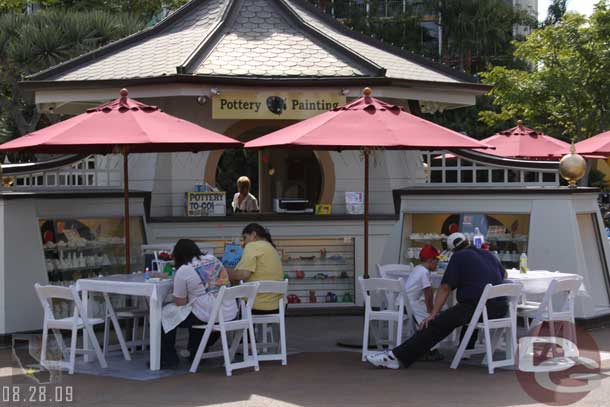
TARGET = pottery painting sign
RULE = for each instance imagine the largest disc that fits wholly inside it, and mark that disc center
(274, 105)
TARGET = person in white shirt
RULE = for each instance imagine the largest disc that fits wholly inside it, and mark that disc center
(419, 290)
(197, 282)
(243, 200)
(418, 287)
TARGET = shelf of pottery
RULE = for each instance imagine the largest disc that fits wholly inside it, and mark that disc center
(507, 236)
(85, 248)
(320, 272)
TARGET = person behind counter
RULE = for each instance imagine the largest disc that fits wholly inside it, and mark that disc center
(243, 200)
(260, 261)
(197, 280)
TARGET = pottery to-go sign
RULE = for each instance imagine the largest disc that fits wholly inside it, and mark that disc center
(205, 203)
(274, 105)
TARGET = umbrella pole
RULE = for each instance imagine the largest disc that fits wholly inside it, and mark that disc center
(366, 213)
(126, 212)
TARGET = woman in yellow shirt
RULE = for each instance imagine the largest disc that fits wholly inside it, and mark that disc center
(260, 261)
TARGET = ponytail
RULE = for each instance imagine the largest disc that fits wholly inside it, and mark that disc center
(260, 232)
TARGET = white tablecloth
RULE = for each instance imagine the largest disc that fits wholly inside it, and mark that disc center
(536, 282)
(134, 284)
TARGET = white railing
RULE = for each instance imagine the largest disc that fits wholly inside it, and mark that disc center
(448, 170)
(91, 172)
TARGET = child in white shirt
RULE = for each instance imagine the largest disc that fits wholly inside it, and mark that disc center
(419, 290)
(418, 287)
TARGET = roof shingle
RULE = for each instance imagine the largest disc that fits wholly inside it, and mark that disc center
(251, 38)
(157, 55)
(261, 42)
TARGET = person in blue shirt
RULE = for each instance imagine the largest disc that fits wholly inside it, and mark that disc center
(469, 271)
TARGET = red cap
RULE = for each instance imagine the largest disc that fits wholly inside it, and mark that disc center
(428, 252)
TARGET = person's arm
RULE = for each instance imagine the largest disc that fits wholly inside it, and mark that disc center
(253, 204)
(180, 289)
(429, 299)
(245, 267)
(236, 275)
(442, 294)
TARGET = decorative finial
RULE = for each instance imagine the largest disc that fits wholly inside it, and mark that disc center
(520, 123)
(572, 167)
(124, 93)
(367, 91)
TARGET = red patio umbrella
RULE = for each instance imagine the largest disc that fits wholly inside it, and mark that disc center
(122, 126)
(366, 124)
(598, 145)
(521, 142)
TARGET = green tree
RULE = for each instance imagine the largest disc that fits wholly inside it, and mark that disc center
(478, 32)
(30, 43)
(567, 94)
(557, 9)
(141, 8)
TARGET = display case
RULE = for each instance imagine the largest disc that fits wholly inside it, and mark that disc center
(506, 234)
(80, 248)
(320, 271)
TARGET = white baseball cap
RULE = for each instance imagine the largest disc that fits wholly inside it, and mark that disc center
(455, 240)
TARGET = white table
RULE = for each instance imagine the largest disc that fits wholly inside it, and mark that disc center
(132, 284)
(537, 282)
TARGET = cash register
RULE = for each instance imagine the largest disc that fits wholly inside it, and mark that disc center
(292, 205)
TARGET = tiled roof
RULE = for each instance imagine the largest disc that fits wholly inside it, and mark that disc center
(397, 67)
(261, 42)
(249, 38)
(156, 55)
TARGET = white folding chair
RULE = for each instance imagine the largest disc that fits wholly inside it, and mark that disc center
(394, 271)
(557, 306)
(507, 324)
(267, 341)
(393, 312)
(244, 327)
(135, 314)
(76, 322)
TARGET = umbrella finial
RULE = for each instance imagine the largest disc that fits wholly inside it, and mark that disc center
(124, 93)
(520, 123)
(366, 92)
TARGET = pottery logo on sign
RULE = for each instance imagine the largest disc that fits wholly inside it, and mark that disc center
(276, 105)
(558, 365)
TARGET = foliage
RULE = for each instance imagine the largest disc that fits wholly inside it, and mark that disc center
(597, 179)
(568, 92)
(32, 42)
(141, 8)
(478, 32)
(556, 11)
(403, 29)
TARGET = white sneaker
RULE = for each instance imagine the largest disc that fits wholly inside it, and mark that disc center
(383, 359)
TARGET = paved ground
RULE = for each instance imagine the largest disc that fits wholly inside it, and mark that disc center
(320, 375)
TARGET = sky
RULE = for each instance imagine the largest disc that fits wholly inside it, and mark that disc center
(580, 6)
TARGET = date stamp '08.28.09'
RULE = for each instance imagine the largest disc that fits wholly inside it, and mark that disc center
(44, 395)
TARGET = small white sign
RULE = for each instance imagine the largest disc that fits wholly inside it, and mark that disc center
(206, 203)
(354, 203)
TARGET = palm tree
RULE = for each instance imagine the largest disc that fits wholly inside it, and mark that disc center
(30, 43)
